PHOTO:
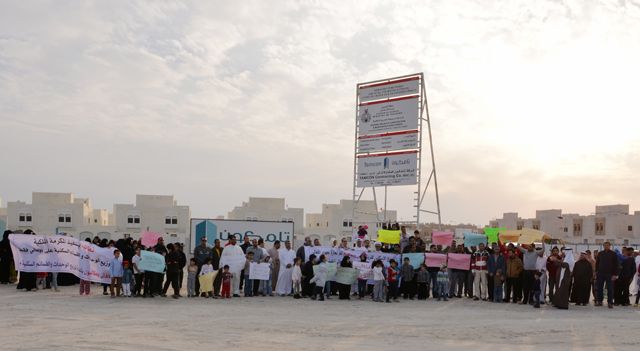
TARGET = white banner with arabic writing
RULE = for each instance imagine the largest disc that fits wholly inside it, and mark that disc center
(37, 253)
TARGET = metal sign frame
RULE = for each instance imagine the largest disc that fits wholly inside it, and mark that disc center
(423, 117)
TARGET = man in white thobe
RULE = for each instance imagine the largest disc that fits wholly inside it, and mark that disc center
(286, 256)
(233, 253)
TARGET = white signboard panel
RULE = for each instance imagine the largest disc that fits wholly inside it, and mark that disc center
(388, 142)
(391, 169)
(388, 90)
(213, 229)
(388, 116)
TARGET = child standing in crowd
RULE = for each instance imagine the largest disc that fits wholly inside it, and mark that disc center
(407, 272)
(320, 278)
(85, 287)
(248, 283)
(206, 289)
(498, 280)
(536, 289)
(422, 279)
(115, 271)
(443, 282)
(392, 281)
(296, 278)
(378, 281)
(192, 272)
(226, 282)
(41, 279)
(127, 279)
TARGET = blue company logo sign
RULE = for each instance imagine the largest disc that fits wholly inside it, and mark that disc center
(208, 230)
(386, 163)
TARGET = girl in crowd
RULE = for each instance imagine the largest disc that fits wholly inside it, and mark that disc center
(192, 271)
(378, 281)
(296, 278)
(320, 278)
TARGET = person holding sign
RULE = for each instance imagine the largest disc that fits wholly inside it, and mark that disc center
(343, 289)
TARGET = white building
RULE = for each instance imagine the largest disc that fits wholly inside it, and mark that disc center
(611, 223)
(338, 220)
(50, 213)
(269, 209)
(156, 213)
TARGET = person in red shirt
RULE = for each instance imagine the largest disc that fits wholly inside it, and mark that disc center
(553, 263)
(392, 281)
(226, 282)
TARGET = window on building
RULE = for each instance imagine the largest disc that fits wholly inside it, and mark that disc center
(136, 219)
(599, 228)
(167, 220)
(60, 219)
(317, 224)
(536, 227)
(130, 219)
(630, 228)
(22, 217)
(95, 221)
(174, 220)
(28, 217)
(174, 235)
(566, 230)
(67, 219)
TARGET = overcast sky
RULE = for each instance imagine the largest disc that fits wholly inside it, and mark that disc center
(534, 104)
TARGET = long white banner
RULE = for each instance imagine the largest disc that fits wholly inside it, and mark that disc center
(36, 253)
(388, 116)
(378, 91)
(388, 169)
(388, 141)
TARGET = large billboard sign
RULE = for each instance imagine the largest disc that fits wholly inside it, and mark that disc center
(397, 168)
(213, 229)
(389, 90)
(386, 116)
(388, 141)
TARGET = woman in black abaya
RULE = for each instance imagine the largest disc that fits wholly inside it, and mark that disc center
(561, 296)
(27, 279)
(6, 257)
(344, 289)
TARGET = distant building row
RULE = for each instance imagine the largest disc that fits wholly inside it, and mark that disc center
(611, 223)
(51, 213)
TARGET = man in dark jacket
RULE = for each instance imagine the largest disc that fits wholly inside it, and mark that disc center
(201, 254)
(626, 276)
(606, 272)
(494, 263)
(159, 277)
(172, 259)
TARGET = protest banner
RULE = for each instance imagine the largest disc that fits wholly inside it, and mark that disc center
(364, 269)
(389, 236)
(442, 238)
(235, 262)
(415, 259)
(150, 239)
(62, 254)
(435, 259)
(260, 271)
(317, 250)
(474, 239)
(509, 236)
(346, 275)
(492, 234)
(459, 261)
(151, 262)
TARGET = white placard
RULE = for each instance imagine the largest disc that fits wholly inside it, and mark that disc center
(388, 142)
(388, 116)
(402, 87)
(260, 271)
(387, 169)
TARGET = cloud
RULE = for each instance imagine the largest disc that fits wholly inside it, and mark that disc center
(531, 102)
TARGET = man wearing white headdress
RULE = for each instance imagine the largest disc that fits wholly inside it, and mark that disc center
(568, 257)
(286, 255)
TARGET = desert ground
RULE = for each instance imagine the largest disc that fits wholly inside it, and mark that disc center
(47, 320)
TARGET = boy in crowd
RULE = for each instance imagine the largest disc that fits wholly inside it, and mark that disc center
(116, 272)
(536, 289)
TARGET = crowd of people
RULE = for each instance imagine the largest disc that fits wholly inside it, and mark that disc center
(497, 272)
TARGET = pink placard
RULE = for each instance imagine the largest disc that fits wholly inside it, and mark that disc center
(459, 261)
(442, 238)
(150, 238)
(434, 259)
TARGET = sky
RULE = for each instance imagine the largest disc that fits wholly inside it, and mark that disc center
(533, 104)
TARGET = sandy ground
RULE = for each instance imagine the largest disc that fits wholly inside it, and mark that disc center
(46, 320)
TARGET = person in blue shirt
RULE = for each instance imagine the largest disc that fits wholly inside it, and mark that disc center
(116, 271)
